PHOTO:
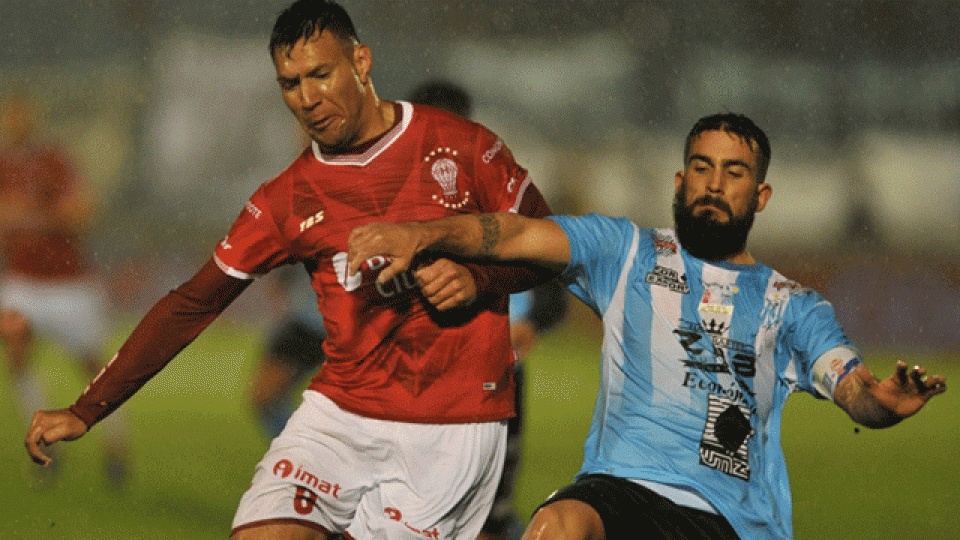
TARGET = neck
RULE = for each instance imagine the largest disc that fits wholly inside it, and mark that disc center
(381, 117)
(744, 257)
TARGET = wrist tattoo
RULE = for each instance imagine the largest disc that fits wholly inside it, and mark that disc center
(490, 233)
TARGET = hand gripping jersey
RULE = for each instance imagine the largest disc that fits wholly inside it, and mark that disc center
(697, 362)
(390, 355)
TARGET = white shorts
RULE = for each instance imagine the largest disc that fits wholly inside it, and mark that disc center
(339, 472)
(72, 313)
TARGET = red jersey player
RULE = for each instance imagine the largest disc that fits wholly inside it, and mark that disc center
(48, 286)
(401, 433)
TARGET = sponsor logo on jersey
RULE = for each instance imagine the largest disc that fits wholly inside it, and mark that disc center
(710, 351)
(254, 211)
(664, 245)
(492, 152)
(726, 434)
(792, 287)
(311, 221)
(400, 283)
(445, 170)
(662, 276)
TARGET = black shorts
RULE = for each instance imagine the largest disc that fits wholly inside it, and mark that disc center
(629, 510)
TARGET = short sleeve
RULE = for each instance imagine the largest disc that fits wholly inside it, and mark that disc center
(502, 181)
(818, 342)
(600, 247)
(254, 244)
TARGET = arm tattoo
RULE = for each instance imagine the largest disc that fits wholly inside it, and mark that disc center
(490, 233)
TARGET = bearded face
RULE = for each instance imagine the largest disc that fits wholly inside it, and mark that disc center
(702, 234)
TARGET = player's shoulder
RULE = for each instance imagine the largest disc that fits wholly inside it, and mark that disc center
(297, 169)
(449, 125)
(600, 232)
(275, 193)
(801, 298)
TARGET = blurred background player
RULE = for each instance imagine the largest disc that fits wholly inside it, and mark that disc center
(532, 313)
(293, 350)
(48, 286)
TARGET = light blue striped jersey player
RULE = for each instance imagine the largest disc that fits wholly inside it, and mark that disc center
(697, 361)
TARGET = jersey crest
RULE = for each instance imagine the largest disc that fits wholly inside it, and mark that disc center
(444, 169)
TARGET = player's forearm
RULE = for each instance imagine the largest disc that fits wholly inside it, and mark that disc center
(469, 235)
(854, 398)
(172, 324)
(502, 236)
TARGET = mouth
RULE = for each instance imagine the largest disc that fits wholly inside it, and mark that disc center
(711, 207)
(322, 124)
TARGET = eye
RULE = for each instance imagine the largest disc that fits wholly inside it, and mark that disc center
(320, 73)
(737, 172)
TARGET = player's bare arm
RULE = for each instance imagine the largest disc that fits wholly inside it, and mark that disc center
(882, 403)
(502, 236)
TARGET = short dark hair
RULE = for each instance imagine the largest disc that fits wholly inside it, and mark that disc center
(443, 95)
(303, 18)
(739, 125)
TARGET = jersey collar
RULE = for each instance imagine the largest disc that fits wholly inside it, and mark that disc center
(368, 153)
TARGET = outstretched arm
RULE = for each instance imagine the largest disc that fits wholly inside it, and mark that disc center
(882, 403)
(167, 328)
(500, 237)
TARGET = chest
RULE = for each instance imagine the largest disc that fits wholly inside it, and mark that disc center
(325, 205)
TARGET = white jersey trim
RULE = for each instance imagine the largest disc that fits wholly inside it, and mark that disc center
(681, 495)
(523, 189)
(364, 159)
(233, 272)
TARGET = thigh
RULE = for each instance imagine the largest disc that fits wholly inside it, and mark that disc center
(439, 483)
(279, 531)
(314, 473)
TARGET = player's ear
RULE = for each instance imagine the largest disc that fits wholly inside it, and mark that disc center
(362, 62)
(677, 180)
(764, 192)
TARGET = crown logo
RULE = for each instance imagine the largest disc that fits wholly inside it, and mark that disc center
(714, 327)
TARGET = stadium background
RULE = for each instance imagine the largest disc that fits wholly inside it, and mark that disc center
(172, 112)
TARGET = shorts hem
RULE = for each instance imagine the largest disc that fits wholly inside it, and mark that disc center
(313, 525)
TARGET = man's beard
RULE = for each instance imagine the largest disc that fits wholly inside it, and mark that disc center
(706, 238)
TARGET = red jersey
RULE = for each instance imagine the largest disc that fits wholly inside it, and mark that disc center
(390, 355)
(37, 178)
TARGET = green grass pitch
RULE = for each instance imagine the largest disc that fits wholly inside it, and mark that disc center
(194, 445)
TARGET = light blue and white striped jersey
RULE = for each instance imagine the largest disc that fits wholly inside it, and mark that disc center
(697, 361)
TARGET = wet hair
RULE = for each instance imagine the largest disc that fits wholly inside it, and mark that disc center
(304, 18)
(739, 125)
(443, 95)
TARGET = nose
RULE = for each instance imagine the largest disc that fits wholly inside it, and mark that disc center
(715, 181)
(310, 94)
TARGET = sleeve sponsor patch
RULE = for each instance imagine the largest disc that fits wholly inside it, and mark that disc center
(832, 367)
